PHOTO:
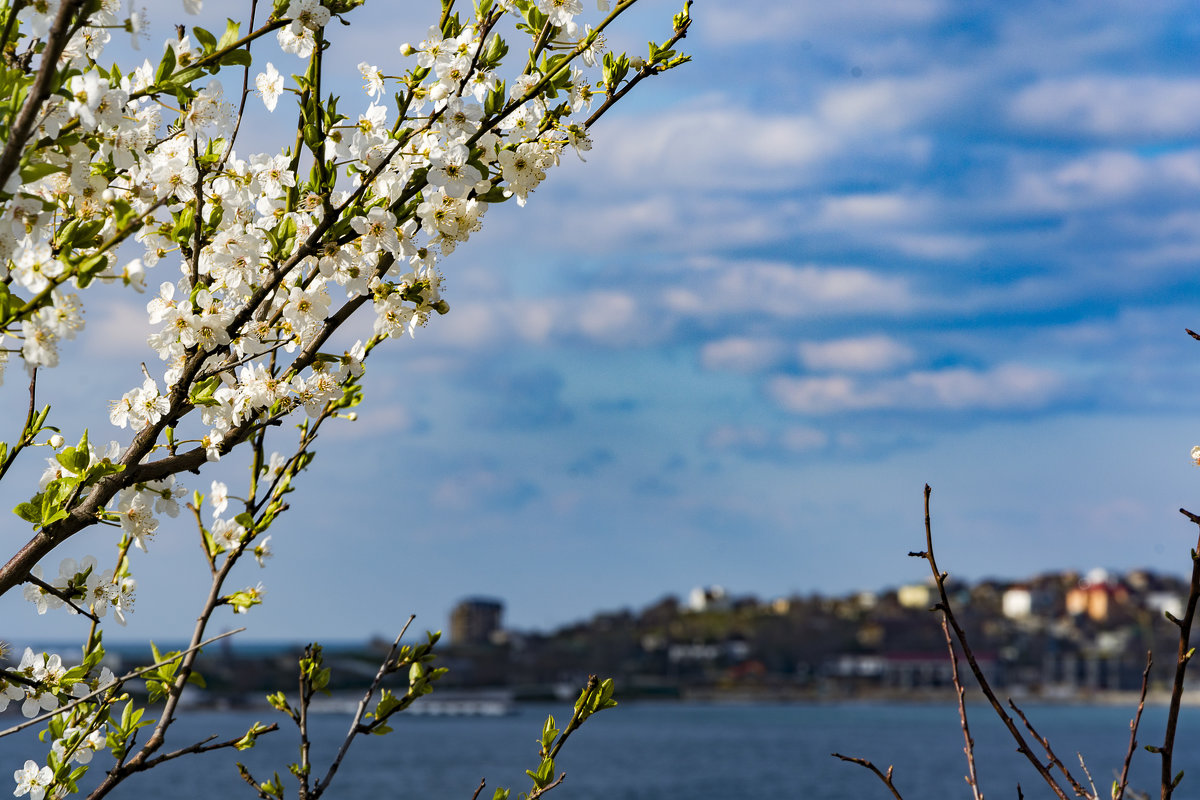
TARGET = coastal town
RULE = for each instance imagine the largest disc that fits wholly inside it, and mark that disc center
(1060, 636)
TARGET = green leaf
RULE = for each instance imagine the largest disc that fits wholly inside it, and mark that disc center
(544, 775)
(239, 57)
(183, 78)
(166, 66)
(38, 169)
(31, 511)
(105, 467)
(205, 38)
(230, 35)
(89, 267)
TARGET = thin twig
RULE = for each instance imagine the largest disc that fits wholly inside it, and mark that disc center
(245, 93)
(479, 788)
(1184, 655)
(16, 677)
(1119, 792)
(61, 595)
(885, 777)
(306, 695)
(201, 747)
(118, 682)
(248, 778)
(22, 127)
(577, 718)
(539, 792)
(1092, 783)
(1055, 761)
(320, 786)
(968, 741)
(643, 73)
(948, 614)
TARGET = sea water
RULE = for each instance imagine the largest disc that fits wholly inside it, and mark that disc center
(670, 751)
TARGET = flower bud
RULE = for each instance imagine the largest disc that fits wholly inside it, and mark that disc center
(56, 441)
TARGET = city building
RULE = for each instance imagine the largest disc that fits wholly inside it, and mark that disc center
(475, 620)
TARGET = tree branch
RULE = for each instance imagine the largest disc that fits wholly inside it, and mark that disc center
(948, 614)
(56, 42)
(885, 777)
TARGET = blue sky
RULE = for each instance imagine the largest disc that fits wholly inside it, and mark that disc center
(851, 249)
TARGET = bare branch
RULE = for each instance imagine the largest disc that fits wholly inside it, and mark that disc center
(948, 614)
(1183, 657)
(1123, 782)
(320, 786)
(201, 747)
(968, 741)
(885, 777)
(1045, 743)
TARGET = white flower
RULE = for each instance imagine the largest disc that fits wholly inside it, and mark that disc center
(270, 86)
(227, 534)
(1196, 455)
(262, 550)
(219, 497)
(372, 79)
(560, 12)
(307, 14)
(34, 266)
(32, 781)
(193, 6)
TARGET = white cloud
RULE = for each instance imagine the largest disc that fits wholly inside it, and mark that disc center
(1103, 177)
(769, 20)
(899, 221)
(604, 317)
(876, 208)
(785, 290)
(374, 421)
(738, 437)
(1005, 386)
(742, 354)
(822, 395)
(1008, 386)
(716, 144)
(799, 438)
(862, 354)
(1111, 106)
(118, 329)
(471, 325)
(759, 440)
(887, 105)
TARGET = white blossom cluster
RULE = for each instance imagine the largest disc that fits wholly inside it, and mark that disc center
(94, 589)
(267, 257)
(45, 678)
(269, 254)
